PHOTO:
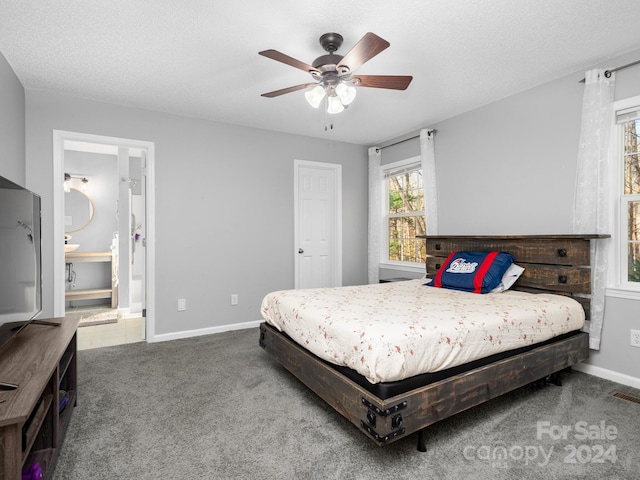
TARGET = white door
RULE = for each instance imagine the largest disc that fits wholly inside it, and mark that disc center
(138, 239)
(318, 228)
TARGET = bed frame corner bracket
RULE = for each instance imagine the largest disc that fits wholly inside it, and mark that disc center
(384, 412)
(382, 439)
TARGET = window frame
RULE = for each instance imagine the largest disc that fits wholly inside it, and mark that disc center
(385, 262)
(618, 284)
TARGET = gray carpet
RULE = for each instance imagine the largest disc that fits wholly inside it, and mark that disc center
(218, 407)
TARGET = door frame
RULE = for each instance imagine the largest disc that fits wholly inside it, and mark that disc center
(337, 263)
(59, 138)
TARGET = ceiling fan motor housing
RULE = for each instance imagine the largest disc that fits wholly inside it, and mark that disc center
(327, 64)
(331, 41)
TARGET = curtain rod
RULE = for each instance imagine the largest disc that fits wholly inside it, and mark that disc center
(401, 141)
(607, 73)
(406, 140)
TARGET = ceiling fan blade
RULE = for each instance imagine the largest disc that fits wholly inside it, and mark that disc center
(281, 57)
(368, 47)
(277, 93)
(393, 82)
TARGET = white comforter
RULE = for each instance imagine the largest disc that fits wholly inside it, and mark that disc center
(392, 331)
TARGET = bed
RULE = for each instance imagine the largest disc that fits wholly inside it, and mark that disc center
(405, 387)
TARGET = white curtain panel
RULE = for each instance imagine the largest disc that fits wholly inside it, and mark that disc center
(428, 154)
(591, 201)
(375, 214)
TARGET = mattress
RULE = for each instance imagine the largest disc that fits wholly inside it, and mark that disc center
(392, 331)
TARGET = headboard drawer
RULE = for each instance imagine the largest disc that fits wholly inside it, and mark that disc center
(551, 251)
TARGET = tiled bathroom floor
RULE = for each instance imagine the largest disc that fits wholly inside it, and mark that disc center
(126, 330)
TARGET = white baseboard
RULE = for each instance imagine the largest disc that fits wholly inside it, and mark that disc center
(608, 374)
(204, 331)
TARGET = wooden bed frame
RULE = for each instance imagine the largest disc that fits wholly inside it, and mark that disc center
(553, 264)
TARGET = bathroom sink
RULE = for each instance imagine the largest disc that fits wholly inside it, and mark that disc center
(70, 247)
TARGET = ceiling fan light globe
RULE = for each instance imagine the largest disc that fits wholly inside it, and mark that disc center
(315, 95)
(346, 93)
(334, 105)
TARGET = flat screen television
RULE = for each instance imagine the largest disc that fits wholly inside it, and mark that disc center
(20, 259)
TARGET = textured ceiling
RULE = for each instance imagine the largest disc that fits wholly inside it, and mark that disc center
(199, 58)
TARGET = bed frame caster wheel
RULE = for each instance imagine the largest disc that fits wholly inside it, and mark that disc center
(422, 441)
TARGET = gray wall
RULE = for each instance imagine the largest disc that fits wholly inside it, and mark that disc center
(12, 126)
(509, 168)
(224, 204)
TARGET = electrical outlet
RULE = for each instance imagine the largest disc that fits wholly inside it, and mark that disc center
(635, 338)
(234, 299)
(182, 304)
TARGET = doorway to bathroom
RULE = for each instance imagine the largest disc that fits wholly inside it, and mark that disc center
(106, 217)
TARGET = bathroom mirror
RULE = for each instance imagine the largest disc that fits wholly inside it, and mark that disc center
(78, 210)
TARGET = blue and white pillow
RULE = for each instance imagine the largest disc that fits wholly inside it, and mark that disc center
(477, 272)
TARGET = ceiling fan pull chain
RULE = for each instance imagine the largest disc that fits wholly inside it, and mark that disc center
(328, 119)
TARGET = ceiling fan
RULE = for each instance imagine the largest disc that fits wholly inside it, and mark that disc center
(333, 74)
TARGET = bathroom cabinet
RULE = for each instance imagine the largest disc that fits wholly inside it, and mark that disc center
(41, 361)
(95, 293)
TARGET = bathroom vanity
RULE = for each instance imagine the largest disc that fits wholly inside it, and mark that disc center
(94, 293)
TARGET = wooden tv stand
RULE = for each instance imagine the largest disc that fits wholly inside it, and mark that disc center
(41, 361)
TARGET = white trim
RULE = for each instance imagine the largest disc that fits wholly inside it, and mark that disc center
(622, 293)
(58, 225)
(401, 166)
(59, 137)
(150, 235)
(417, 161)
(607, 374)
(206, 331)
(337, 169)
(405, 267)
(416, 164)
(617, 273)
(626, 103)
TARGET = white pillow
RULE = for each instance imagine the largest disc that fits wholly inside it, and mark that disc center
(509, 278)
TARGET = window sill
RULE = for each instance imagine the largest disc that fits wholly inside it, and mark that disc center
(403, 267)
(622, 293)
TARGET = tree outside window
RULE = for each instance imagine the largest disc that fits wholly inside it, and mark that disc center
(405, 216)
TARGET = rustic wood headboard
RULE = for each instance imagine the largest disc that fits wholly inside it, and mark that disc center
(559, 264)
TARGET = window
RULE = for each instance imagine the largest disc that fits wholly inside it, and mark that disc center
(627, 193)
(404, 213)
